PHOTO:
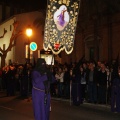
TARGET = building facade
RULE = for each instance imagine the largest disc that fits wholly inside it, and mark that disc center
(97, 38)
(18, 53)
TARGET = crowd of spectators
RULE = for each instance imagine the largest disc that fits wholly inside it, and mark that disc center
(95, 80)
(16, 79)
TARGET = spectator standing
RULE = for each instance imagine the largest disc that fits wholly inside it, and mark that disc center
(24, 81)
(76, 87)
(60, 78)
(92, 83)
(10, 74)
(4, 80)
(83, 83)
(76, 83)
(0, 79)
(53, 86)
(7, 81)
(86, 70)
(102, 85)
(66, 82)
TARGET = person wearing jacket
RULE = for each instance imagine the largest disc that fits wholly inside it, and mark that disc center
(92, 83)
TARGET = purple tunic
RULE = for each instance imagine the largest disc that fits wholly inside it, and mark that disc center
(61, 20)
(41, 110)
(115, 95)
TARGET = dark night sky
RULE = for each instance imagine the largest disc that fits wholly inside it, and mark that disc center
(27, 4)
(88, 7)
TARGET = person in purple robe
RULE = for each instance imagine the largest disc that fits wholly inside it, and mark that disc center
(41, 79)
(61, 18)
(115, 93)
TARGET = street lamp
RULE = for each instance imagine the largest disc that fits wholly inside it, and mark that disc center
(29, 34)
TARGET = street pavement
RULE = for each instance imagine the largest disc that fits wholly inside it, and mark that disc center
(15, 108)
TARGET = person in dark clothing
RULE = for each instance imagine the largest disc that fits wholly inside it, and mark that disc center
(83, 83)
(60, 80)
(76, 83)
(1, 79)
(102, 85)
(6, 76)
(54, 84)
(92, 84)
(4, 81)
(24, 81)
(115, 93)
(66, 82)
(86, 71)
(10, 76)
(76, 88)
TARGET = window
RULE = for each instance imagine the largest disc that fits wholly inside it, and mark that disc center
(10, 27)
(91, 53)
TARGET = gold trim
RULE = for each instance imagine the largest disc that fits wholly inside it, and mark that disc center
(38, 89)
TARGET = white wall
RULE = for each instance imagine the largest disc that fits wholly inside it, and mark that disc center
(0, 13)
(26, 19)
(17, 54)
(6, 39)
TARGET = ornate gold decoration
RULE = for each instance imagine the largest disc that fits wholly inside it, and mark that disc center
(60, 25)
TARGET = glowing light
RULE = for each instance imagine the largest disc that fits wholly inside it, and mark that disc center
(29, 32)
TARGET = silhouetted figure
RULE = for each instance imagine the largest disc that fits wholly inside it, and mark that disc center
(41, 79)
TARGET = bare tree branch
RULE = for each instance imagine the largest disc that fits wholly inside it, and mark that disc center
(5, 31)
(12, 42)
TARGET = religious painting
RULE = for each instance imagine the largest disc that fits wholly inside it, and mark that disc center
(60, 25)
(61, 17)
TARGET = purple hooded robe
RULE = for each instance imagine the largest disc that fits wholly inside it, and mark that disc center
(41, 109)
(115, 95)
